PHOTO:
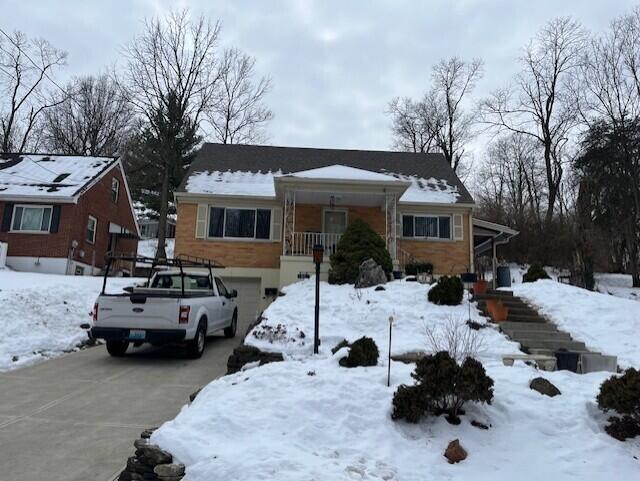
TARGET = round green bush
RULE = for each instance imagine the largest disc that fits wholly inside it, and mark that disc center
(442, 387)
(448, 291)
(358, 243)
(622, 395)
(362, 352)
(535, 272)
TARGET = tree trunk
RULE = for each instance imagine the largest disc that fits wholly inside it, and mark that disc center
(164, 208)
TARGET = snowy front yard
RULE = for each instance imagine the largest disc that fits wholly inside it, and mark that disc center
(308, 418)
(40, 314)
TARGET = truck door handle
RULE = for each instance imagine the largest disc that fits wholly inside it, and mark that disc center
(224, 303)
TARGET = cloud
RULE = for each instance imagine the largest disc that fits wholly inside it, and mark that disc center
(334, 64)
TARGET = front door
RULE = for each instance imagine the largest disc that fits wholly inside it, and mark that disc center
(335, 221)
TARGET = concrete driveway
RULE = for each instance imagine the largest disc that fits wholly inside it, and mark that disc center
(75, 418)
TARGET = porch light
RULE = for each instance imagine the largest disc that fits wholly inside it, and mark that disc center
(318, 254)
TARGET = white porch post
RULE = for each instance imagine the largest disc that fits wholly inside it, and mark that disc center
(390, 222)
(289, 222)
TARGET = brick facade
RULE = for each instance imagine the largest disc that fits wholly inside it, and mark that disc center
(96, 202)
(447, 256)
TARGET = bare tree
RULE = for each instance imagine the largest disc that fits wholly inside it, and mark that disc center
(410, 128)
(238, 114)
(25, 90)
(453, 81)
(540, 104)
(93, 120)
(171, 78)
(438, 122)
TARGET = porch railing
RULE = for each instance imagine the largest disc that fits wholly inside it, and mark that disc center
(303, 243)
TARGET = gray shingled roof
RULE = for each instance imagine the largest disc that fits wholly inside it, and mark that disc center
(255, 158)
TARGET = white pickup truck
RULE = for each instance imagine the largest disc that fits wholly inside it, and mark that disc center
(183, 306)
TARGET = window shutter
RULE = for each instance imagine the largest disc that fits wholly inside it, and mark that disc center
(458, 231)
(55, 219)
(201, 221)
(276, 224)
(6, 218)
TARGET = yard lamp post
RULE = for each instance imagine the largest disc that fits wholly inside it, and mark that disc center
(318, 254)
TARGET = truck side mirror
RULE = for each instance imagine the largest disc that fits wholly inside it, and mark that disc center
(233, 294)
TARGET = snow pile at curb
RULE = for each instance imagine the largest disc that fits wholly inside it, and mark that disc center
(41, 314)
(604, 323)
(307, 418)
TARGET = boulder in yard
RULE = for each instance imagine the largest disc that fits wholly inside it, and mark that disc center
(371, 274)
(544, 386)
(455, 452)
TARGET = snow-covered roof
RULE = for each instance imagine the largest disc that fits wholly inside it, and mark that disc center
(261, 184)
(49, 176)
(342, 172)
(251, 184)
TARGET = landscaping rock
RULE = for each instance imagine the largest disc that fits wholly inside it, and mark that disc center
(380, 288)
(155, 455)
(455, 452)
(169, 470)
(146, 434)
(244, 354)
(409, 357)
(140, 443)
(545, 387)
(371, 274)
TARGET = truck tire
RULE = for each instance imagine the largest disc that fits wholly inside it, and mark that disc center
(117, 348)
(195, 347)
(230, 331)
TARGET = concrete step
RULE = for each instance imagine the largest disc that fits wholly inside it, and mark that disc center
(504, 297)
(495, 292)
(515, 315)
(505, 301)
(522, 318)
(526, 310)
(518, 334)
(529, 326)
(552, 344)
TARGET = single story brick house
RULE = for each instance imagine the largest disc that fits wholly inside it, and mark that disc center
(258, 211)
(62, 214)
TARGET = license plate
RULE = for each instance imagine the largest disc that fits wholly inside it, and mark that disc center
(137, 334)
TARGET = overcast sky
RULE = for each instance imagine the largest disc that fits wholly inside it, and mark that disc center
(334, 64)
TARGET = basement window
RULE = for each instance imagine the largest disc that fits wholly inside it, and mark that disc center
(231, 223)
(426, 226)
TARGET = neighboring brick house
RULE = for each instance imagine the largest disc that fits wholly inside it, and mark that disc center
(259, 210)
(63, 214)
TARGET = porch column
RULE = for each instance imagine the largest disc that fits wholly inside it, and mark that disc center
(391, 234)
(289, 222)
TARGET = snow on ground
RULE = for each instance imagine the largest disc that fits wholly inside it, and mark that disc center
(619, 285)
(308, 418)
(41, 314)
(604, 323)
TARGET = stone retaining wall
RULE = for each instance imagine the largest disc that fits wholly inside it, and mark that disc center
(150, 463)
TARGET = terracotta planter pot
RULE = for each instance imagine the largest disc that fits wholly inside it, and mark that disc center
(480, 287)
(497, 310)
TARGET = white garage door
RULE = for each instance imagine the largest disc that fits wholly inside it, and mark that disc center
(248, 298)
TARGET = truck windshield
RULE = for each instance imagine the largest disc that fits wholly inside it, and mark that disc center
(174, 281)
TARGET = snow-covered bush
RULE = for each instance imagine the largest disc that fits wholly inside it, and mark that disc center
(448, 291)
(622, 395)
(442, 387)
(362, 352)
(358, 243)
(535, 272)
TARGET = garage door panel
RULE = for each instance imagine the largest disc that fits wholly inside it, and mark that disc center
(248, 300)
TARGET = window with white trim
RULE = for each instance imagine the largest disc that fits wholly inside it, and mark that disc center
(31, 218)
(115, 189)
(92, 225)
(232, 223)
(426, 226)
